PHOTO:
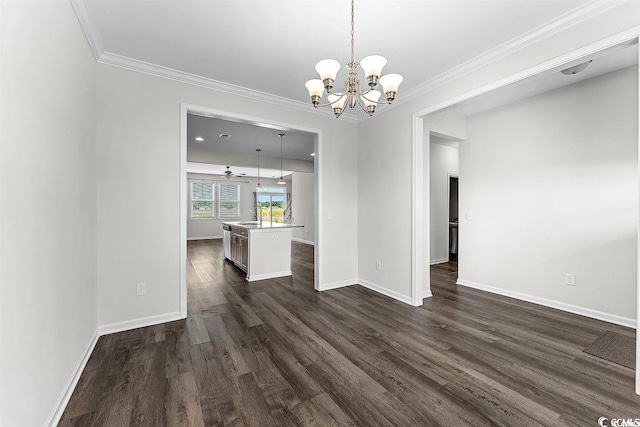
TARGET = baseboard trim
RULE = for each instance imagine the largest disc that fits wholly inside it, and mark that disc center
(142, 322)
(204, 238)
(594, 314)
(337, 285)
(265, 276)
(306, 242)
(439, 261)
(385, 291)
(426, 293)
(67, 391)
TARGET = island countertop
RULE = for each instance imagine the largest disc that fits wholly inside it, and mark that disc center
(255, 225)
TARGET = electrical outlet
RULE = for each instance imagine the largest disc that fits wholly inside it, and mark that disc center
(330, 216)
(378, 265)
(141, 288)
(570, 279)
(275, 236)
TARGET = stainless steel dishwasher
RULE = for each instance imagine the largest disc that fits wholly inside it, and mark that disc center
(226, 241)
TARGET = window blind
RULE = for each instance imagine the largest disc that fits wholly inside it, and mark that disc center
(229, 200)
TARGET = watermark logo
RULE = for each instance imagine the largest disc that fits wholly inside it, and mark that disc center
(618, 422)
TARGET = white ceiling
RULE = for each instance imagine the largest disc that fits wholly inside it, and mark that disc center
(606, 61)
(271, 47)
(246, 138)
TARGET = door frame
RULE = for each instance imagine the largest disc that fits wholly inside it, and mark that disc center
(185, 109)
(421, 285)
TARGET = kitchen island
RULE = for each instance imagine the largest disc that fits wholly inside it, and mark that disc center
(262, 250)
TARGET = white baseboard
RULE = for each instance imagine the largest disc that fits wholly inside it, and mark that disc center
(268, 275)
(594, 314)
(306, 242)
(438, 261)
(426, 293)
(336, 285)
(385, 291)
(67, 391)
(204, 238)
(138, 323)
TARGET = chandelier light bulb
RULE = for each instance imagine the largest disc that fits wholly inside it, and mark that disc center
(372, 67)
(337, 103)
(371, 100)
(328, 69)
(316, 90)
(390, 83)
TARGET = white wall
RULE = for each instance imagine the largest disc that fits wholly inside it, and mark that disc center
(138, 137)
(552, 182)
(202, 228)
(444, 162)
(303, 206)
(48, 211)
(384, 147)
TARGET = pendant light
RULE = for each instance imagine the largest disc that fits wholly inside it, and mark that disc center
(258, 186)
(281, 181)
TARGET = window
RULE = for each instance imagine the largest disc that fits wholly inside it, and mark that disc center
(270, 207)
(229, 200)
(202, 199)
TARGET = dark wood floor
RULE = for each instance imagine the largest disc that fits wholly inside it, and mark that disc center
(277, 353)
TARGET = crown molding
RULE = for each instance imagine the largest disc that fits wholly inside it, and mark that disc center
(80, 9)
(569, 19)
(109, 58)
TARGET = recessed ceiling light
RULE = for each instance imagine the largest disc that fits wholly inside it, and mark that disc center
(224, 136)
(199, 138)
(313, 154)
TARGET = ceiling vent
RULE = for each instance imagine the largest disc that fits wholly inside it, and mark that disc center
(224, 136)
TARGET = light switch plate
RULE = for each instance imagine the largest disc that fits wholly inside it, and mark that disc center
(469, 216)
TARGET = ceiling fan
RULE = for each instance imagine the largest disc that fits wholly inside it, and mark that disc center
(228, 174)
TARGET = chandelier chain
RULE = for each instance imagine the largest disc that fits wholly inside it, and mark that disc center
(352, 32)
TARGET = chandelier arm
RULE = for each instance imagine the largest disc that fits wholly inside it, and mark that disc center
(359, 101)
(371, 100)
(326, 105)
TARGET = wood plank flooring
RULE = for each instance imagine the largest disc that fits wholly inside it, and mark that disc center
(277, 353)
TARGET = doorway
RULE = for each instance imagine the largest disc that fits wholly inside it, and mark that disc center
(453, 218)
(187, 109)
(270, 207)
(418, 139)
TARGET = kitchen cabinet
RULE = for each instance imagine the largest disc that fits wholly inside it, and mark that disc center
(239, 253)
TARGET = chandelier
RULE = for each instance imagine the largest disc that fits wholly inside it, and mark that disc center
(353, 94)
